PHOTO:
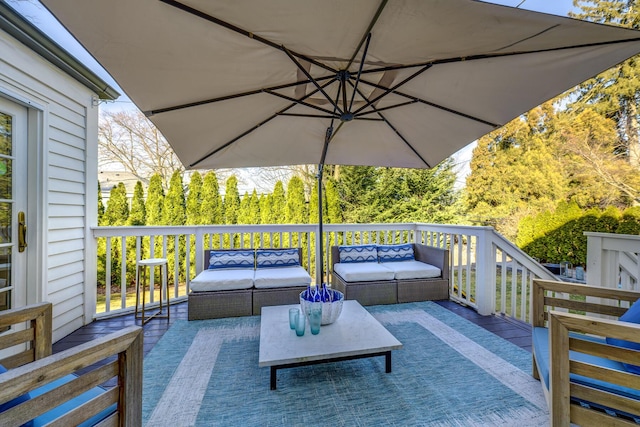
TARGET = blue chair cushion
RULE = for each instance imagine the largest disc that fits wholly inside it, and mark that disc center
(15, 402)
(394, 253)
(71, 404)
(541, 351)
(360, 253)
(632, 315)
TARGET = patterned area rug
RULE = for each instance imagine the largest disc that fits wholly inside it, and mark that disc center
(449, 373)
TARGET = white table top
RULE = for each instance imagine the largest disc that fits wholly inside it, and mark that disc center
(356, 332)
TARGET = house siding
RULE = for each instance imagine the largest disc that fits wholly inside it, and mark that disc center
(67, 180)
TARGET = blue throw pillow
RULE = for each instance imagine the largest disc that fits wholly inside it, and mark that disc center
(361, 253)
(393, 253)
(231, 259)
(15, 402)
(268, 258)
(632, 315)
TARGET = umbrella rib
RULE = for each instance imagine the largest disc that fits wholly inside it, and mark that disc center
(228, 97)
(495, 55)
(367, 34)
(300, 102)
(387, 91)
(384, 119)
(364, 55)
(241, 31)
(434, 105)
(248, 131)
(306, 73)
(401, 104)
(315, 116)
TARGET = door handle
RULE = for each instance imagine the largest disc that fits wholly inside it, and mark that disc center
(22, 232)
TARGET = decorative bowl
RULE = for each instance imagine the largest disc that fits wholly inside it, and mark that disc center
(330, 310)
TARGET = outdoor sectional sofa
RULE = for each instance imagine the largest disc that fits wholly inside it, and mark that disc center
(240, 282)
(390, 274)
(37, 387)
(588, 365)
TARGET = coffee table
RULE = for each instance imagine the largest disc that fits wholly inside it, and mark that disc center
(355, 335)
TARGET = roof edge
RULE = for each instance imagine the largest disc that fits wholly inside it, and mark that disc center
(26, 33)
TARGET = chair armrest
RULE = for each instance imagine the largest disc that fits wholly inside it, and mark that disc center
(543, 294)
(37, 334)
(98, 355)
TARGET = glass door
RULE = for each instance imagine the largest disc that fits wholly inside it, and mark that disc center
(13, 196)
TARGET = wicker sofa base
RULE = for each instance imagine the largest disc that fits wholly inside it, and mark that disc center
(246, 302)
(275, 296)
(422, 290)
(214, 305)
(367, 293)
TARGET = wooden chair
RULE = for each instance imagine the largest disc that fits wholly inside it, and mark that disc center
(583, 376)
(65, 386)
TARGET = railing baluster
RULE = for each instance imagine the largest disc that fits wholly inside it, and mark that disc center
(107, 290)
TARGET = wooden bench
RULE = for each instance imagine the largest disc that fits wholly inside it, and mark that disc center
(65, 387)
(582, 375)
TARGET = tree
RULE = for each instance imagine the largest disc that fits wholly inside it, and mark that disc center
(254, 209)
(117, 211)
(599, 174)
(100, 206)
(138, 215)
(194, 200)
(155, 201)
(615, 92)
(354, 184)
(244, 213)
(265, 209)
(278, 204)
(174, 210)
(129, 139)
(211, 210)
(334, 213)
(296, 206)
(515, 171)
(231, 201)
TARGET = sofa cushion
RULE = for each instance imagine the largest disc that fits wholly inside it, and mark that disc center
(223, 280)
(361, 253)
(632, 315)
(270, 258)
(281, 277)
(363, 272)
(541, 350)
(231, 259)
(393, 253)
(413, 270)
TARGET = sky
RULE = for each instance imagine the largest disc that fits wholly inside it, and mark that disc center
(38, 15)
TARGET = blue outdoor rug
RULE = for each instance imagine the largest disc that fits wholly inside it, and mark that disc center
(449, 373)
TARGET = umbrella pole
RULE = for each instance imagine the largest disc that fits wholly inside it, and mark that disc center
(320, 237)
(320, 245)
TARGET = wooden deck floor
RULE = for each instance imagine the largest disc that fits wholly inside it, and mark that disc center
(514, 331)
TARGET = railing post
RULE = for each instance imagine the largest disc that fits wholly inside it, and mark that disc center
(199, 250)
(485, 273)
(595, 260)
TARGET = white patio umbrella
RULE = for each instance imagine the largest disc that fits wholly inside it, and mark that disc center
(401, 83)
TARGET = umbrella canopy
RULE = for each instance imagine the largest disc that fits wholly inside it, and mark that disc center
(402, 83)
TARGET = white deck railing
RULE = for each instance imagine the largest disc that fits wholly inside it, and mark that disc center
(488, 272)
(612, 260)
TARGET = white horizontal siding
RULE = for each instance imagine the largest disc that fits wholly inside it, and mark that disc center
(66, 104)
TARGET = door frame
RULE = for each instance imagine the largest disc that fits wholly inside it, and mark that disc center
(36, 182)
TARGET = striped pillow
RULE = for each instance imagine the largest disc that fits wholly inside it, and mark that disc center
(231, 259)
(362, 253)
(268, 258)
(392, 253)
